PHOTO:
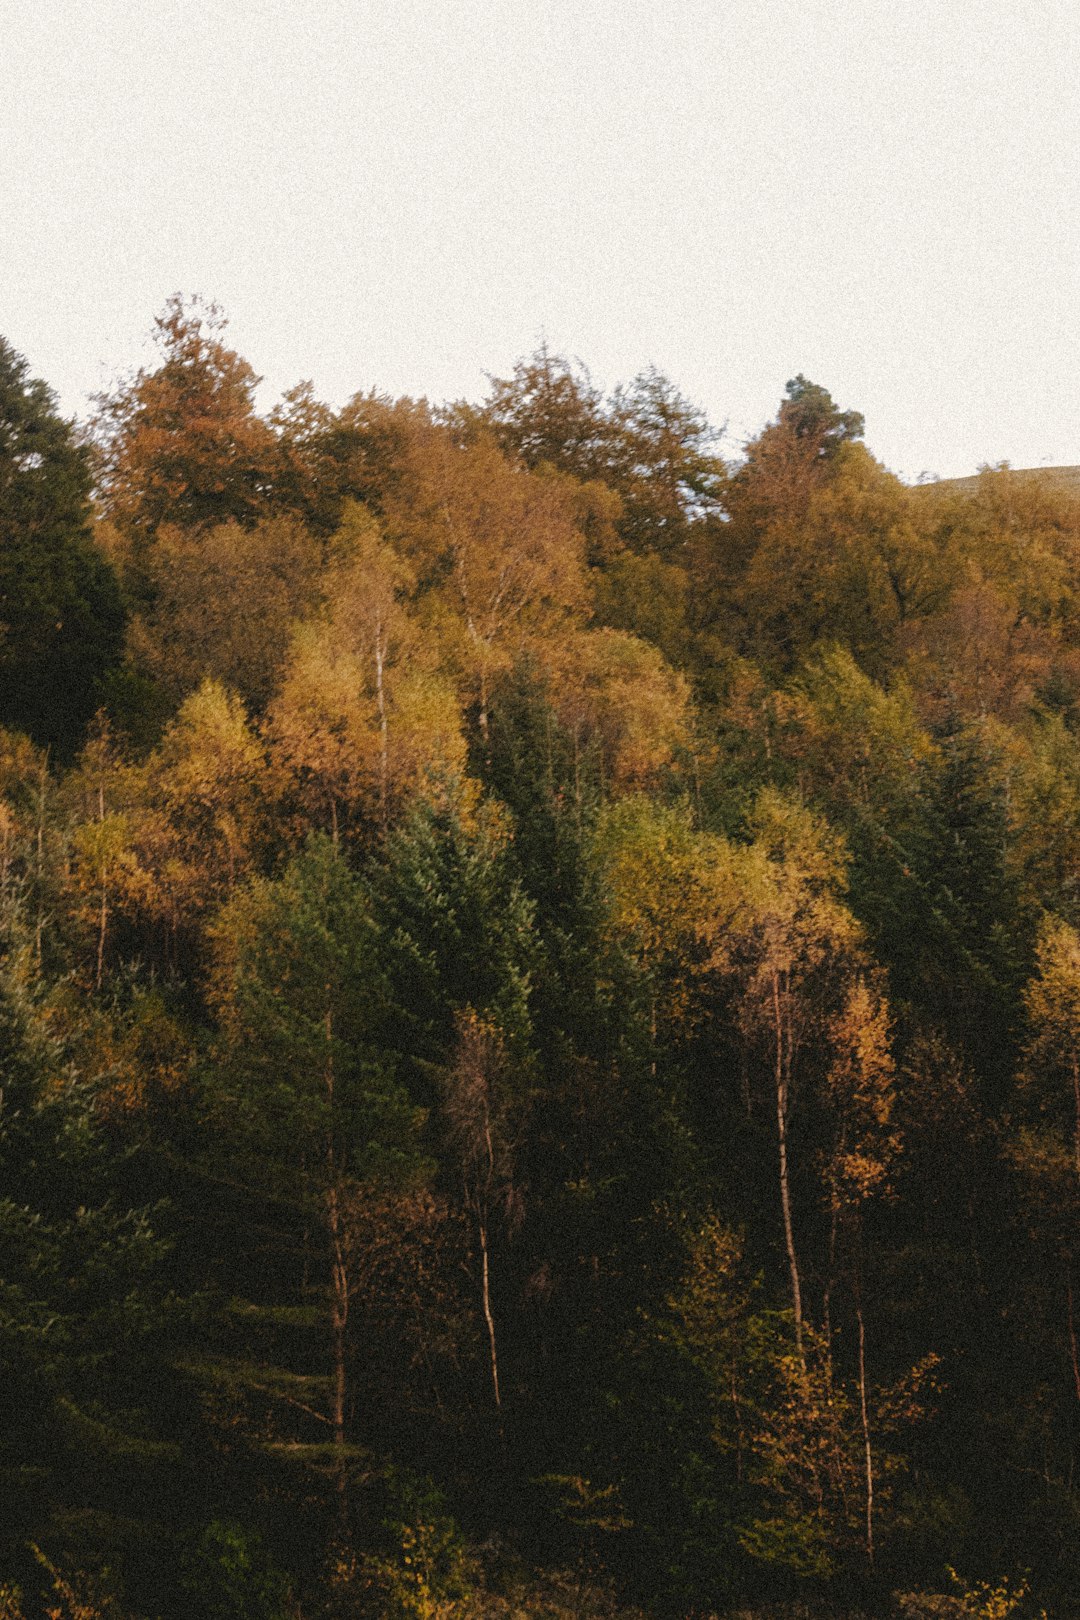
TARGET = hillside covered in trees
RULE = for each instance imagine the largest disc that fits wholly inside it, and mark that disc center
(539, 1009)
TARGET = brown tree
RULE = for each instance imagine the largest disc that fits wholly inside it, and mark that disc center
(183, 443)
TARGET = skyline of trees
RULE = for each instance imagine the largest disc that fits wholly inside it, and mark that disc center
(537, 982)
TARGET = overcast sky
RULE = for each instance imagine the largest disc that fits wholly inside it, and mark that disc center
(881, 194)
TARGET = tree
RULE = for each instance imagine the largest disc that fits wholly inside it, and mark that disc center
(859, 1096)
(616, 694)
(102, 854)
(364, 718)
(648, 597)
(669, 899)
(792, 946)
(183, 443)
(61, 613)
(768, 499)
(496, 548)
(478, 1103)
(178, 832)
(549, 414)
(87, 1389)
(647, 443)
(458, 927)
(663, 463)
(1047, 1149)
(1053, 1008)
(189, 628)
(764, 922)
(791, 456)
(851, 564)
(306, 1093)
(953, 931)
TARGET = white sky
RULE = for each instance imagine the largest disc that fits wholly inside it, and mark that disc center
(883, 194)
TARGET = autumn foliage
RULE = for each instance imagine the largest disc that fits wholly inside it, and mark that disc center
(539, 1009)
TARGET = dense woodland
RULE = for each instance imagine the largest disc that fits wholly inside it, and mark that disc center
(539, 1009)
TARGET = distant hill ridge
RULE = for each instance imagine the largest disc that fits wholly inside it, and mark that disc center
(1060, 477)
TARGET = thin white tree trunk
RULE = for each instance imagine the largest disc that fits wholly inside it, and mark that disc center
(867, 1451)
(488, 1316)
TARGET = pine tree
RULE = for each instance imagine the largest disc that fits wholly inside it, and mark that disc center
(61, 614)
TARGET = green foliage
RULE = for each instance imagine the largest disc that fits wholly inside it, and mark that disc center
(421, 1571)
(636, 1155)
(303, 998)
(228, 1575)
(61, 614)
(457, 924)
(84, 1313)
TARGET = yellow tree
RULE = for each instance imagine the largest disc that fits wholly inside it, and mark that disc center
(1053, 1008)
(859, 1093)
(764, 921)
(616, 692)
(102, 857)
(497, 546)
(788, 950)
(671, 897)
(363, 717)
(194, 814)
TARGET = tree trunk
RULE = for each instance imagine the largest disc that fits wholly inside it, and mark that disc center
(339, 1291)
(1074, 1359)
(39, 864)
(489, 1318)
(339, 1317)
(481, 1221)
(103, 919)
(384, 747)
(868, 1454)
(483, 717)
(103, 922)
(652, 1035)
(826, 1304)
(782, 1078)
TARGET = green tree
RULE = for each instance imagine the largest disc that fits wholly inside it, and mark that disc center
(951, 926)
(305, 1094)
(664, 464)
(458, 926)
(61, 614)
(87, 1393)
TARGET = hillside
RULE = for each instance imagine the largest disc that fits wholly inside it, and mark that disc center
(539, 1006)
(1066, 479)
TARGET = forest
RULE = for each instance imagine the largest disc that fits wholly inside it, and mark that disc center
(539, 1009)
